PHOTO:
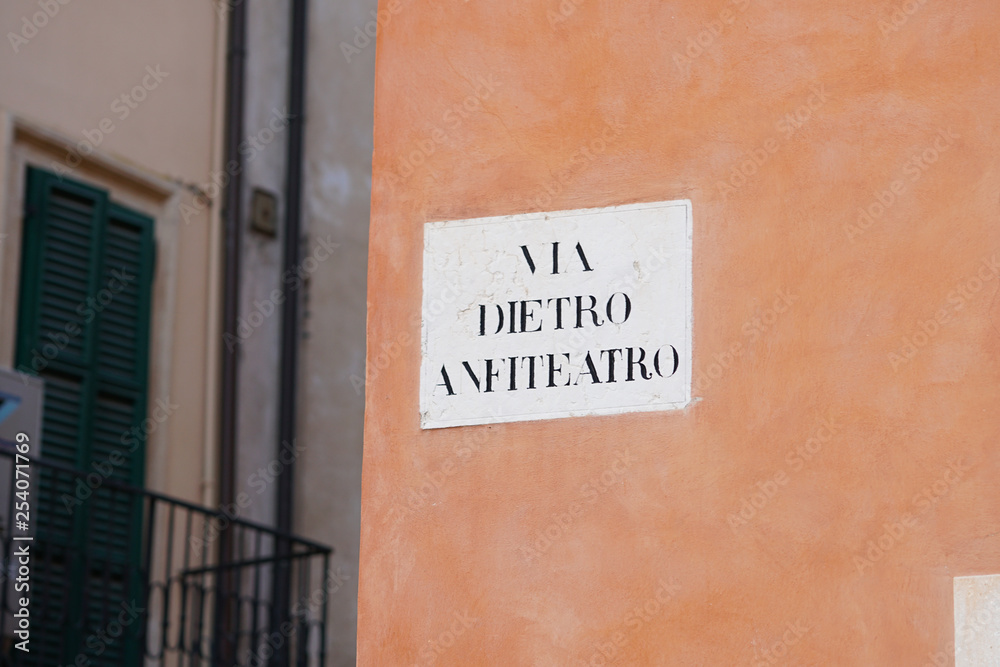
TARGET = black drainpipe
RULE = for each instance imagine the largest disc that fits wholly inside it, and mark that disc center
(290, 314)
(293, 257)
(224, 645)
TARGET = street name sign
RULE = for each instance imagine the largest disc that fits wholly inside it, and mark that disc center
(559, 314)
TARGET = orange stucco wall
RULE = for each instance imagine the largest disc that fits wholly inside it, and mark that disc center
(813, 506)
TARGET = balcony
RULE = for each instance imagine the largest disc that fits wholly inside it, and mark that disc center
(122, 576)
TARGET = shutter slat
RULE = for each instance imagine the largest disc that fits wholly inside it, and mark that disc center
(75, 243)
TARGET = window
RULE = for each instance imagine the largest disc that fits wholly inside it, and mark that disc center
(83, 326)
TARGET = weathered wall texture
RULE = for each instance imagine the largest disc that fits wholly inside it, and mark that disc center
(332, 365)
(840, 468)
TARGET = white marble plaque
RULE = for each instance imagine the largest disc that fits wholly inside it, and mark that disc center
(564, 314)
(977, 622)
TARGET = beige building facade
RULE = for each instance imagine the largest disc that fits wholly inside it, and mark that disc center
(139, 114)
(130, 102)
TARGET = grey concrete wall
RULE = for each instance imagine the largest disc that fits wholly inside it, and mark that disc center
(337, 192)
(260, 317)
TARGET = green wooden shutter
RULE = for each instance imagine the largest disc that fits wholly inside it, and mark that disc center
(86, 290)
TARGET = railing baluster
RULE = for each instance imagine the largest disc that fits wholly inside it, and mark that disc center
(326, 594)
(302, 622)
(184, 587)
(256, 593)
(236, 595)
(168, 583)
(261, 555)
(203, 591)
(146, 572)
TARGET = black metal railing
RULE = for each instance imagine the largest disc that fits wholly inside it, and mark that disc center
(127, 577)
